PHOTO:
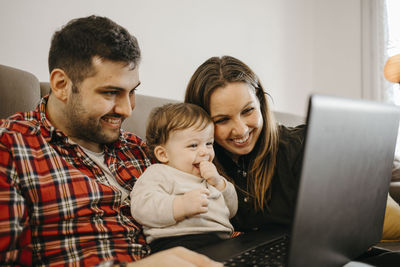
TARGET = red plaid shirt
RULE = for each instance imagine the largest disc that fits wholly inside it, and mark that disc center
(56, 205)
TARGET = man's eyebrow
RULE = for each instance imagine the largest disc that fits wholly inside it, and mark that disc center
(111, 87)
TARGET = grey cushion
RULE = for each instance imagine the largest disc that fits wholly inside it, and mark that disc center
(20, 91)
(144, 104)
(136, 123)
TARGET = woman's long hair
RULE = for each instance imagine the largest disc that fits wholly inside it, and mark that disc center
(218, 72)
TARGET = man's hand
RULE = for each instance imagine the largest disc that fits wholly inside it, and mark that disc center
(176, 257)
(209, 172)
(191, 203)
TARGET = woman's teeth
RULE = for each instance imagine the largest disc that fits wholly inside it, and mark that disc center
(241, 140)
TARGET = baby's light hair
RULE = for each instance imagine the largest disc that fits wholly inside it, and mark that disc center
(173, 117)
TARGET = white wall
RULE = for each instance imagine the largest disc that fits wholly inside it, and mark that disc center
(297, 47)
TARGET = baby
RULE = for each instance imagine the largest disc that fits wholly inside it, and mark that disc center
(182, 200)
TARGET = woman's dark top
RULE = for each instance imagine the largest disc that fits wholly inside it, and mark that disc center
(284, 184)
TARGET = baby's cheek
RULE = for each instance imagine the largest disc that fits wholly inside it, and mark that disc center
(212, 155)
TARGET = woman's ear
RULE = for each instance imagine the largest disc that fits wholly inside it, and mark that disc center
(161, 154)
(60, 84)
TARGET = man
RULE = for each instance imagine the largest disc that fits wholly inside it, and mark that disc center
(66, 169)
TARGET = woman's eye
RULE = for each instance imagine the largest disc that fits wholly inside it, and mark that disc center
(193, 146)
(219, 121)
(210, 143)
(247, 110)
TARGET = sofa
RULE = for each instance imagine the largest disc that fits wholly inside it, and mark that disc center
(21, 91)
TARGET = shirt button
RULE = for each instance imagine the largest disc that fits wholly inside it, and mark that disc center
(246, 199)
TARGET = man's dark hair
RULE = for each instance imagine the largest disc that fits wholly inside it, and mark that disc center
(75, 44)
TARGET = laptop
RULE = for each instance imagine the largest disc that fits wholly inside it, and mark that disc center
(341, 201)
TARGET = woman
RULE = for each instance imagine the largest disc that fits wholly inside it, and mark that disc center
(262, 159)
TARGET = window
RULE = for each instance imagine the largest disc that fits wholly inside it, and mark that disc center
(393, 46)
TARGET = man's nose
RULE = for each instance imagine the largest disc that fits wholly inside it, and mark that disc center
(125, 105)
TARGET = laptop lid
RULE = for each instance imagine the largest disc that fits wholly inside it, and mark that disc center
(346, 172)
(348, 157)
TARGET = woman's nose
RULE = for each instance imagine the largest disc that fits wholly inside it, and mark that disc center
(240, 128)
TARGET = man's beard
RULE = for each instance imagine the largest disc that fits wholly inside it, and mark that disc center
(85, 127)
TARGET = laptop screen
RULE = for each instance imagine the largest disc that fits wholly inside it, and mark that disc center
(346, 172)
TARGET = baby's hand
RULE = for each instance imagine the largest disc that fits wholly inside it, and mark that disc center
(209, 172)
(191, 203)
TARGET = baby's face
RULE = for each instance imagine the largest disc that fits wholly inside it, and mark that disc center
(185, 149)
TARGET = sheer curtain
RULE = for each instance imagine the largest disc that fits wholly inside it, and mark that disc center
(374, 32)
(378, 25)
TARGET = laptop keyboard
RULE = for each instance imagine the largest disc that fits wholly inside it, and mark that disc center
(269, 254)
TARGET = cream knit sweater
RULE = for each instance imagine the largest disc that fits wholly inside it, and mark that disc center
(152, 204)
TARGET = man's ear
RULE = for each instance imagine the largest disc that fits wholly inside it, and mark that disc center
(60, 84)
(161, 154)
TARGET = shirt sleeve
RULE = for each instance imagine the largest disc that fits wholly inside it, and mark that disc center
(15, 236)
(152, 200)
(231, 198)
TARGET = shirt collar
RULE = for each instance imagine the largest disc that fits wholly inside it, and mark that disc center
(48, 131)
